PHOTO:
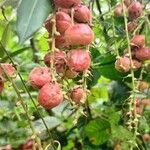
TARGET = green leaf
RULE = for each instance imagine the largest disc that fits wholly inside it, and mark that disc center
(30, 16)
(98, 131)
(13, 3)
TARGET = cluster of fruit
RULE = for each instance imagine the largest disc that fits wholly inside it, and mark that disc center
(69, 36)
(5, 69)
(140, 53)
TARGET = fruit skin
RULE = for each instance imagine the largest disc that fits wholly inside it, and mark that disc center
(27, 146)
(146, 137)
(58, 59)
(8, 68)
(122, 64)
(78, 95)
(131, 26)
(136, 64)
(82, 14)
(63, 21)
(135, 10)
(66, 3)
(145, 102)
(1, 85)
(143, 54)
(50, 95)
(79, 34)
(118, 10)
(138, 41)
(39, 76)
(78, 60)
(60, 42)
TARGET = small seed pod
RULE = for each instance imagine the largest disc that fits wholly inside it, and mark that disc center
(79, 34)
(132, 26)
(146, 137)
(8, 68)
(138, 41)
(67, 3)
(136, 64)
(118, 10)
(122, 64)
(50, 95)
(58, 59)
(70, 74)
(78, 60)
(39, 76)
(143, 85)
(78, 95)
(143, 54)
(82, 14)
(135, 10)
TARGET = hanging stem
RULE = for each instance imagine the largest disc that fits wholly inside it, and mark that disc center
(132, 104)
(28, 92)
(24, 108)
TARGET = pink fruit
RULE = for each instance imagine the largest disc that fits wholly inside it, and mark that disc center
(70, 74)
(78, 60)
(145, 102)
(135, 10)
(146, 137)
(82, 14)
(122, 64)
(132, 26)
(143, 54)
(63, 21)
(39, 76)
(138, 41)
(8, 68)
(65, 10)
(138, 102)
(118, 10)
(66, 3)
(27, 146)
(58, 59)
(60, 42)
(136, 64)
(50, 95)
(78, 95)
(1, 85)
(79, 34)
(139, 110)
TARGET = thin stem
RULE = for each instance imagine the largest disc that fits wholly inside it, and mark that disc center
(24, 107)
(28, 92)
(132, 106)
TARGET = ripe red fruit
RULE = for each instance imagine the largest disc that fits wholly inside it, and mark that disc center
(39, 76)
(66, 3)
(70, 74)
(1, 85)
(122, 64)
(82, 13)
(27, 146)
(78, 60)
(138, 41)
(60, 42)
(78, 95)
(63, 21)
(139, 110)
(59, 60)
(132, 26)
(8, 68)
(50, 95)
(138, 102)
(79, 34)
(135, 10)
(143, 54)
(118, 10)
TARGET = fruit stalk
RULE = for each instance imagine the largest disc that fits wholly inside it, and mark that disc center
(132, 102)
